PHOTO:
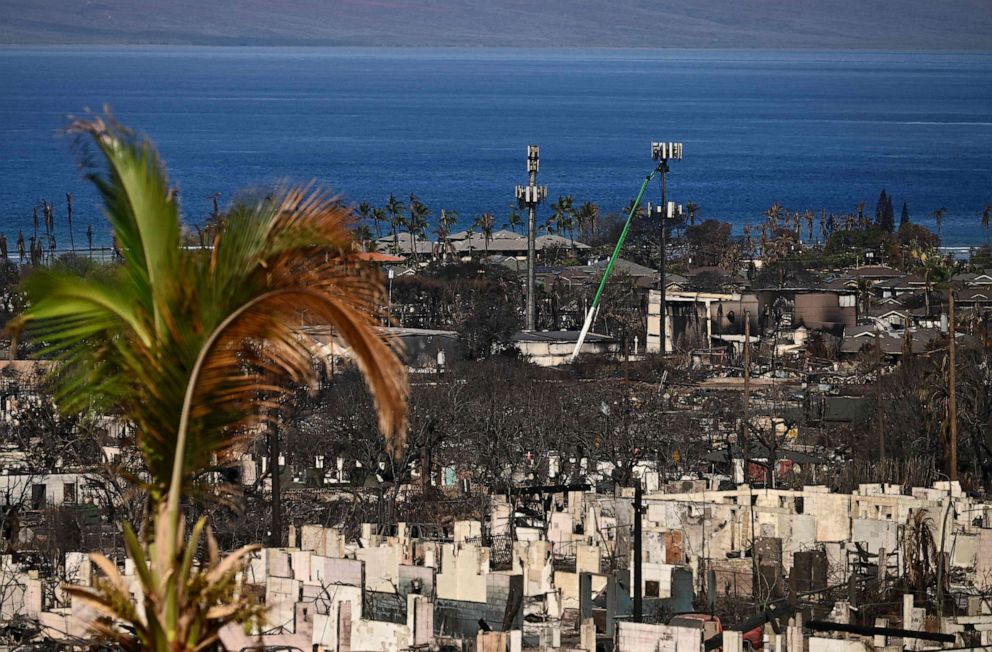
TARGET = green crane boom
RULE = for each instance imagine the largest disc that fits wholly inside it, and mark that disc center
(609, 267)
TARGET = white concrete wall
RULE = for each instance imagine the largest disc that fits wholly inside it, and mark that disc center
(643, 637)
(463, 570)
(16, 489)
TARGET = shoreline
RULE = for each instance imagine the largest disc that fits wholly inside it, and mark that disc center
(29, 45)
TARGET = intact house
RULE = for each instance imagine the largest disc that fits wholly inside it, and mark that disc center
(465, 246)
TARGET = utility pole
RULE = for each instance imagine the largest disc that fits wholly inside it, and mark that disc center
(275, 537)
(665, 212)
(663, 152)
(878, 389)
(529, 197)
(952, 401)
(638, 589)
(389, 298)
(745, 433)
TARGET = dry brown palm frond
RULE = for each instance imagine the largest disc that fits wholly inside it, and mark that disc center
(199, 600)
(920, 551)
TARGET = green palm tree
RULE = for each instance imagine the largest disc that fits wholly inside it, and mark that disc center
(394, 209)
(417, 223)
(364, 212)
(986, 220)
(363, 236)
(469, 234)
(514, 220)
(934, 269)
(563, 214)
(197, 349)
(378, 217)
(587, 216)
(486, 223)
(443, 230)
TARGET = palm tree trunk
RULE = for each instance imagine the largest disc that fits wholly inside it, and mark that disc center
(952, 402)
(172, 504)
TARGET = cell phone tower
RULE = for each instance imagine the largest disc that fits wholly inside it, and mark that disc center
(664, 214)
(663, 153)
(529, 197)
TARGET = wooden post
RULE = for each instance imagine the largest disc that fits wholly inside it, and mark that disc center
(952, 404)
(638, 581)
(745, 431)
(662, 247)
(878, 390)
(275, 537)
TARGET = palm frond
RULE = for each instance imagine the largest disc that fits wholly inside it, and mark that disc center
(141, 209)
(200, 351)
(187, 602)
(134, 341)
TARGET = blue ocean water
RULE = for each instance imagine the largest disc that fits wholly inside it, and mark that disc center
(810, 130)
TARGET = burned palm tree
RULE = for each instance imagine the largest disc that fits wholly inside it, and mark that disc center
(68, 218)
(37, 253)
(933, 268)
(215, 204)
(938, 220)
(920, 552)
(774, 213)
(692, 208)
(865, 292)
(49, 214)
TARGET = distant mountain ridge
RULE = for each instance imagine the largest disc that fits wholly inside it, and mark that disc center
(826, 24)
